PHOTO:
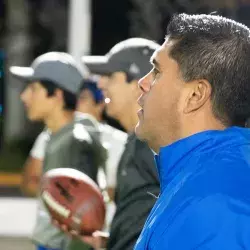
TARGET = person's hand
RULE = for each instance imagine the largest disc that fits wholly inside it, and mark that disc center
(64, 228)
(97, 240)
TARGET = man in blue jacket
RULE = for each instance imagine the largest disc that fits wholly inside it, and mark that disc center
(195, 104)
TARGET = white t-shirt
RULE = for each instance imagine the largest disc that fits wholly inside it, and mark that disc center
(114, 141)
(38, 149)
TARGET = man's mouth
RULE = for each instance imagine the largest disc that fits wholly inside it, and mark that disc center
(140, 112)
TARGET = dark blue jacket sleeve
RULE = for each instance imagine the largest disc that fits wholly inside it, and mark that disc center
(215, 222)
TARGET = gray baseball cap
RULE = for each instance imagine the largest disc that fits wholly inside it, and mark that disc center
(57, 67)
(131, 56)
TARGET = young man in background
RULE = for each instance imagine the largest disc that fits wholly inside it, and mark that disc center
(53, 81)
(90, 105)
(137, 178)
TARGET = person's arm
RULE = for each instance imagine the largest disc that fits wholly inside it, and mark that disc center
(31, 176)
(33, 166)
(215, 222)
(97, 241)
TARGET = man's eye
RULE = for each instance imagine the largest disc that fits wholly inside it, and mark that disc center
(155, 72)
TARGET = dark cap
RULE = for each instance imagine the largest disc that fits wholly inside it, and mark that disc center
(57, 67)
(131, 56)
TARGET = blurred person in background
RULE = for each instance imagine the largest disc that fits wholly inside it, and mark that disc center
(137, 178)
(90, 105)
(53, 81)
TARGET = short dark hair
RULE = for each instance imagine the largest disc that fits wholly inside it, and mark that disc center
(216, 49)
(70, 99)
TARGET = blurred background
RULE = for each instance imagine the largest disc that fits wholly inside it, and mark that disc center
(29, 28)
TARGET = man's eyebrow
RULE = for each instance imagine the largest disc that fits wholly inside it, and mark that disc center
(154, 62)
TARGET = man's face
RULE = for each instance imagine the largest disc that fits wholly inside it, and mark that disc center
(161, 98)
(36, 101)
(118, 93)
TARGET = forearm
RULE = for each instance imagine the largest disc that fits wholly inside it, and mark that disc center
(31, 176)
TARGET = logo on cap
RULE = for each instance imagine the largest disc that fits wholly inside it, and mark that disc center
(145, 52)
(134, 69)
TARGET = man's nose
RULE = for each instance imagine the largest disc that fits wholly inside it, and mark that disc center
(24, 95)
(144, 83)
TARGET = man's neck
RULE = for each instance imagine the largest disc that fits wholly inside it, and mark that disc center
(57, 121)
(202, 123)
(190, 127)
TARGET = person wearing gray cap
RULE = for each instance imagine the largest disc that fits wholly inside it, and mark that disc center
(137, 177)
(53, 81)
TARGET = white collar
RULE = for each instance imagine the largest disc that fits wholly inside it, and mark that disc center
(80, 115)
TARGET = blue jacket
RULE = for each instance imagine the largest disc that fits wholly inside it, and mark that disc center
(205, 194)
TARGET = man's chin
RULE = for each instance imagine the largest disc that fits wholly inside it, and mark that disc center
(33, 118)
(111, 113)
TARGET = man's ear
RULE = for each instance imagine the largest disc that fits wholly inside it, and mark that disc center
(59, 94)
(198, 93)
